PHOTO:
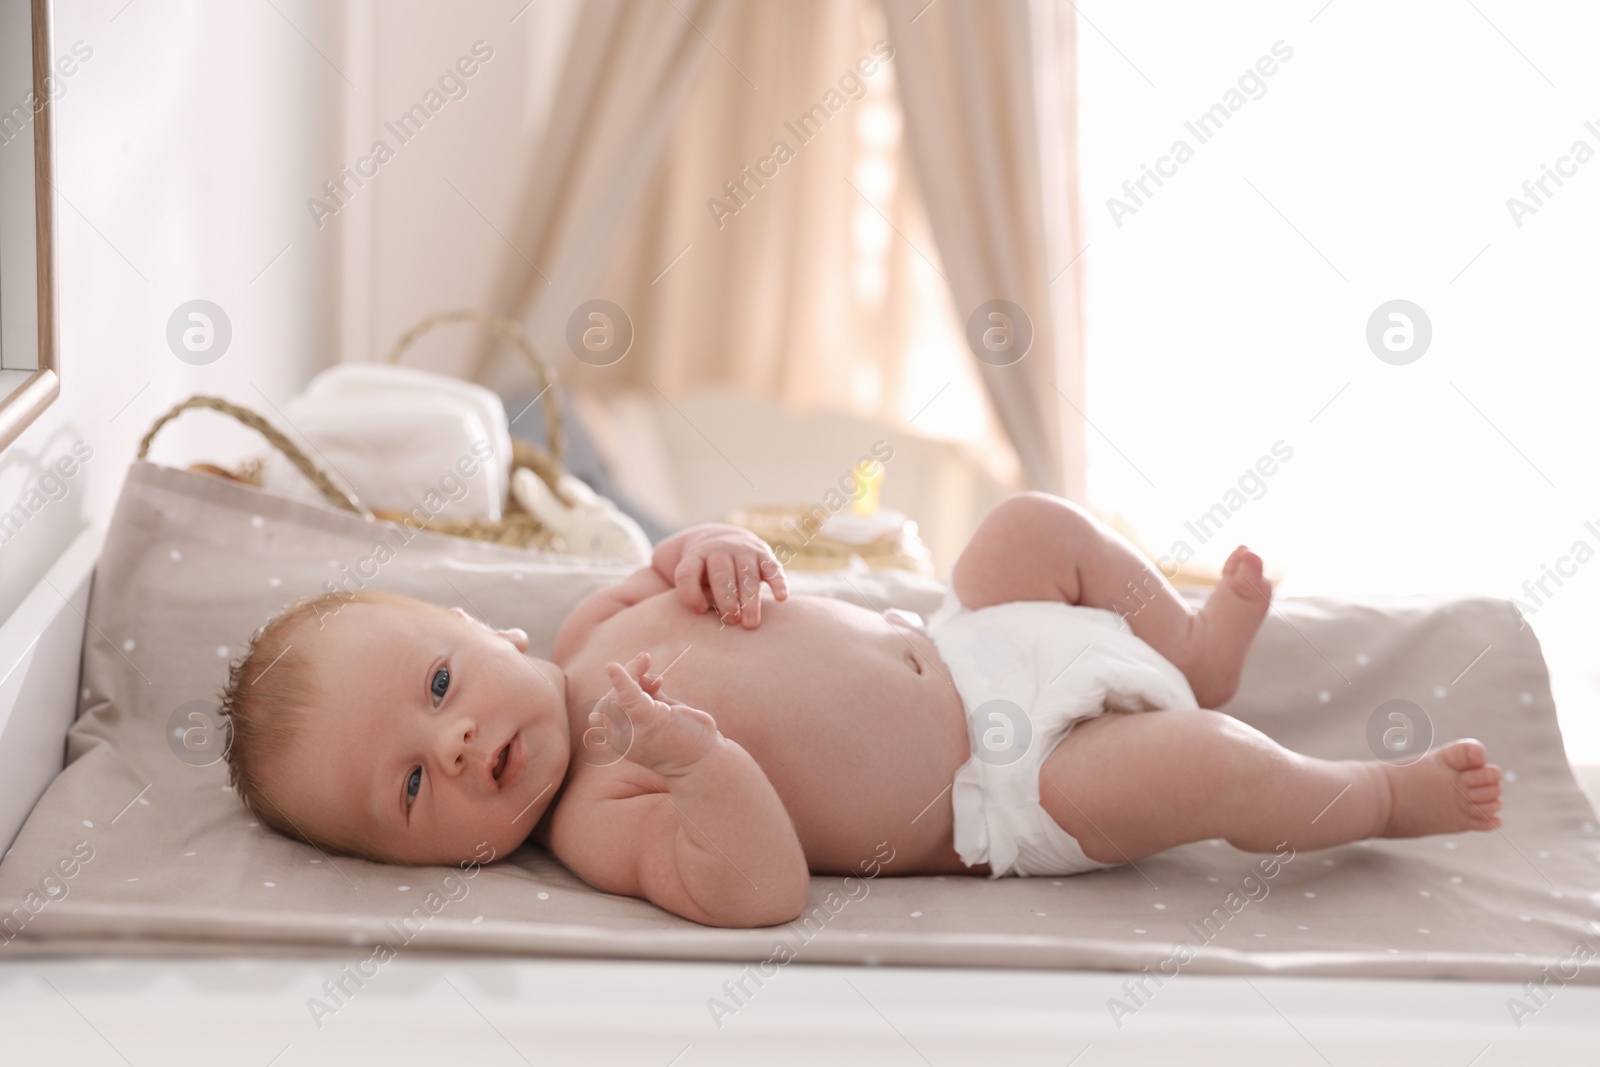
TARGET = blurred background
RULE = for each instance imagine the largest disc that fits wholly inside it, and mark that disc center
(781, 324)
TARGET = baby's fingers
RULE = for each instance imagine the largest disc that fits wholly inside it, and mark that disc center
(772, 571)
(749, 591)
(719, 574)
(629, 694)
(689, 580)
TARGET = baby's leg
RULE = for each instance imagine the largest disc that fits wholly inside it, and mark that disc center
(1129, 784)
(1034, 546)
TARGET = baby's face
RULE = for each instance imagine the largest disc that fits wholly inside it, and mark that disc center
(432, 738)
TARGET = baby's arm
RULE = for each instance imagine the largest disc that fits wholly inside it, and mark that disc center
(711, 842)
(600, 605)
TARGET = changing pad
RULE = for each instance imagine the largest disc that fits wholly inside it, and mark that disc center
(165, 860)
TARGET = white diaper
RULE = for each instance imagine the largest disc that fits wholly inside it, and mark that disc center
(1027, 672)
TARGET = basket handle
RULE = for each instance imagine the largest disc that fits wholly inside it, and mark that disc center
(331, 492)
(508, 330)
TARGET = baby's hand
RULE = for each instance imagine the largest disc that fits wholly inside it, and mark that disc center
(711, 560)
(668, 736)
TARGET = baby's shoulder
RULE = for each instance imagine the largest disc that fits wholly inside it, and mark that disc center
(596, 825)
(593, 789)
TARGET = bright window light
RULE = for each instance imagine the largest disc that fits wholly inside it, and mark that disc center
(1333, 166)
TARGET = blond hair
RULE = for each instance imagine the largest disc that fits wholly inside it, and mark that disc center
(265, 702)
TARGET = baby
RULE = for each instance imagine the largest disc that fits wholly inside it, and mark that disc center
(704, 740)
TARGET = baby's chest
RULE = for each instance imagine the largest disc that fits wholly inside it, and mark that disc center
(804, 672)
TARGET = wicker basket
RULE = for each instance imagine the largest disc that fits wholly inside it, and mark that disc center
(515, 527)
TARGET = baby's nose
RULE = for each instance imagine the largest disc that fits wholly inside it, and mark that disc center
(453, 745)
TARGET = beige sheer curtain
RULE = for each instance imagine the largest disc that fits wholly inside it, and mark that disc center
(760, 297)
(833, 264)
(819, 284)
(988, 93)
(631, 65)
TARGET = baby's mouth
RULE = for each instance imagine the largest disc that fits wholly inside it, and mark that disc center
(509, 762)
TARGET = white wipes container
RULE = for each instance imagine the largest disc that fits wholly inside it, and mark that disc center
(399, 438)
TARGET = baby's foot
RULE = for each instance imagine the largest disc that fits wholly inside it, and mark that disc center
(1451, 789)
(1224, 627)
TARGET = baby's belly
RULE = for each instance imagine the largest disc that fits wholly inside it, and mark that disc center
(851, 715)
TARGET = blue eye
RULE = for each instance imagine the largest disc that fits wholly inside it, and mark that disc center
(413, 784)
(441, 682)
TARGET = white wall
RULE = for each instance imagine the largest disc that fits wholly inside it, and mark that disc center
(187, 145)
(432, 228)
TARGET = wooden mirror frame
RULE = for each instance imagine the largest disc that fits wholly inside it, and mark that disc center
(25, 393)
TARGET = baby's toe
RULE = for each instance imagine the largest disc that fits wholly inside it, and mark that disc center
(1468, 754)
(1483, 793)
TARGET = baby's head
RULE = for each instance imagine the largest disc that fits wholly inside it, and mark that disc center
(381, 726)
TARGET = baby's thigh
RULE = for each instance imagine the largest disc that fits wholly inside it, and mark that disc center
(1128, 784)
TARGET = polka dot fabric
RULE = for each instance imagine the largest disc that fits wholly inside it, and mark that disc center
(174, 863)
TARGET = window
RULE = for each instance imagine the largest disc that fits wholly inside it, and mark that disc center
(1228, 309)
(28, 379)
